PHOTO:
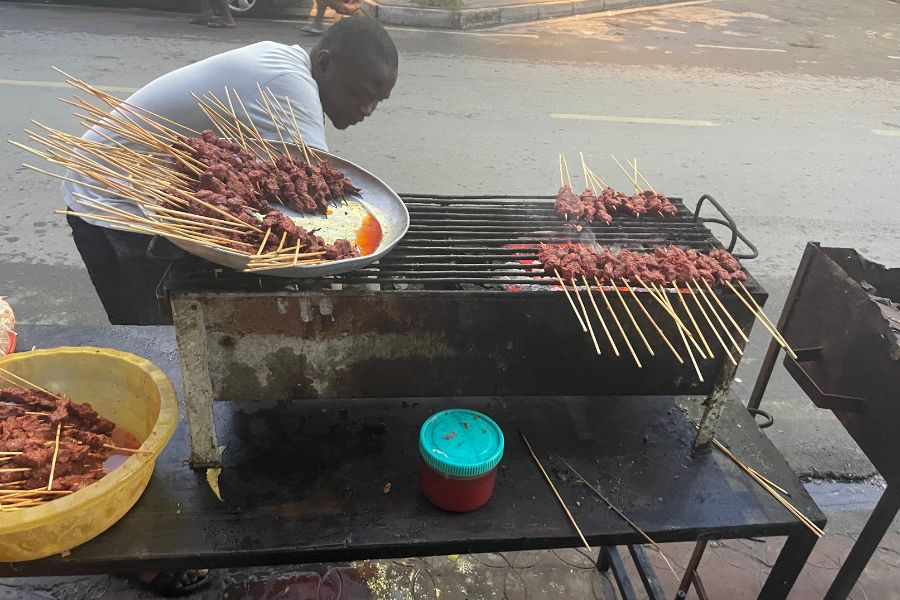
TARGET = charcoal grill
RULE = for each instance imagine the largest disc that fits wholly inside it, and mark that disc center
(459, 308)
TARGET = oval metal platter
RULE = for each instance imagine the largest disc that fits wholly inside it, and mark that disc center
(345, 220)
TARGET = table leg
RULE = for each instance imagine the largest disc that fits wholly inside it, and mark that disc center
(609, 559)
(865, 545)
(787, 568)
(691, 569)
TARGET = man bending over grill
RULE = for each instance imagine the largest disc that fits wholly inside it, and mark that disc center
(351, 69)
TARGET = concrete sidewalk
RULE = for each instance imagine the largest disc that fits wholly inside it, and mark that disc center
(470, 14)
(733, 569)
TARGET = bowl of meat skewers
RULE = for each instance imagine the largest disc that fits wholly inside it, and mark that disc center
(80, 430)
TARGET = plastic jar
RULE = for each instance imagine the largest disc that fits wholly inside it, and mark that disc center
(460, 451)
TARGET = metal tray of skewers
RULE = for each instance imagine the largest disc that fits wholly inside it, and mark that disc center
(375, 209)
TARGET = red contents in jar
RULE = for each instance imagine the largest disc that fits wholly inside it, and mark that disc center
(457, 494)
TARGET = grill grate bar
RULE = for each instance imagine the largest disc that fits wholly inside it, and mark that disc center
(490, 244)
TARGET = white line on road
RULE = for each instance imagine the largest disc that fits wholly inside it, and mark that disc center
(739, 48)
(59, 84)
(894, 57)
(637, 120)
(532, 36)
(887, 132)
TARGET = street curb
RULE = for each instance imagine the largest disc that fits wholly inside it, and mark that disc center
(473, 18)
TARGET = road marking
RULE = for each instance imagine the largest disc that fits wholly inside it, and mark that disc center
(894, 57)
(887, 132)
(739, 48)
(532, 36)
(664, 30)
(59, 84)
(635, 120)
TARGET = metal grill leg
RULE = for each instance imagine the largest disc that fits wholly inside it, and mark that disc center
(691, 569)
(190, 335)
(787, 568)
(865, 545)
(609, 556)
(647, 573)
(768, 364)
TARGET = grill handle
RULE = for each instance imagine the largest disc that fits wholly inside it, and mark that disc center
(729, 223)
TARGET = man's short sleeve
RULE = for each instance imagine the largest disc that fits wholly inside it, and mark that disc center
(303, 93)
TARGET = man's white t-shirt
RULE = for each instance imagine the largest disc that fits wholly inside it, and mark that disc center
(285, 70)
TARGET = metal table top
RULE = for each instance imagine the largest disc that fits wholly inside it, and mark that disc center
(305, 481)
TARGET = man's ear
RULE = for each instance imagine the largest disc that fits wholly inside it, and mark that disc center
(322, 64)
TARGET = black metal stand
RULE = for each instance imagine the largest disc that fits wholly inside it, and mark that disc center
(865, 545)
(870, 420)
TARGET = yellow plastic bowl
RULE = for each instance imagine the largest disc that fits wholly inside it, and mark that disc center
(127, 389)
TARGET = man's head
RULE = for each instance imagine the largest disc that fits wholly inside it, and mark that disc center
(355, 66)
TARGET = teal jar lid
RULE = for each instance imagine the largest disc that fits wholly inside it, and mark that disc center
(461, 443)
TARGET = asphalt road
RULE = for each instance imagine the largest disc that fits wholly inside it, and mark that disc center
(786, 112)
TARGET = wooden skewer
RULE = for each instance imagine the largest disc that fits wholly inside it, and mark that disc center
(11, 453)
(600, 316)
(34, 492)
(585, 313)
(772, 325)
(631, 317)
(779, 489)
(596, 178)
(16, 470)
(264, 240)
(684, 339)
(693, 321)
(588, 182)
(259, 138)
(566, 165)
(269, 267)
(621, 329)
(571, 302)
(121, 449)
(25, 381)
(725, 310)
(760, 318)
(638, 174)
(625, 518)
(711, 326)
(756, 477)
(661, 297)
(55, 454)
(555, 492)
(562, 178)
(268, 109)
(653, 322)
(236, 120)
(627, 174)
(715, 313)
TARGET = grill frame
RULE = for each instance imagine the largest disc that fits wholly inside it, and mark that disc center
(426, 245)
(396, 329)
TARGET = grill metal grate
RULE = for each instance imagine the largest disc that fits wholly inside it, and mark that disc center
(488, 243)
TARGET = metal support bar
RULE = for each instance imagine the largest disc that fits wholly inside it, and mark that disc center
(691, 569)
(190, 335)
(865, 545)
(787, 568)
(610, 559)
(646, 572)
(768, 364)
